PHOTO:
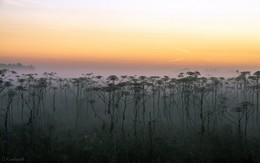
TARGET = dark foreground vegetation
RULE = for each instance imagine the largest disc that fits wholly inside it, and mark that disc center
(45, 118)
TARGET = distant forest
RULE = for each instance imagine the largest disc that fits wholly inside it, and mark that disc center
(16, 66)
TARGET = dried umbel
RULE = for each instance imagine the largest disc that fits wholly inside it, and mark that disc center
(21, 81)
(113, 78)
(3, 72)
(7, 84)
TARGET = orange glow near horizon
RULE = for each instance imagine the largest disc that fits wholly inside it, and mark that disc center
(39, 31)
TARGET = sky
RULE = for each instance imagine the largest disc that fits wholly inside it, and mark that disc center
(148, 33)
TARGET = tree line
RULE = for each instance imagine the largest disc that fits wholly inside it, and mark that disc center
(16, 66)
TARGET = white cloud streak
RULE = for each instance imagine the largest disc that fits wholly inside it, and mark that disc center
(176, 60)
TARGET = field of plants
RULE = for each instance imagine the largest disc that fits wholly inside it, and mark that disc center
(190, 118)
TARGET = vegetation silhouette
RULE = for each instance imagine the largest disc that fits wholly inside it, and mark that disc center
(91, 118)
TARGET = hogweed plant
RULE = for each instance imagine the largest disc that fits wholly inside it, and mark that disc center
(117, 114)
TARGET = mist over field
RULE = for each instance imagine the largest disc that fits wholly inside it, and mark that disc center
(74, 71)
(71, 114)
